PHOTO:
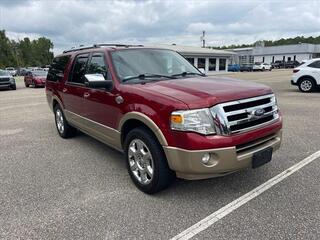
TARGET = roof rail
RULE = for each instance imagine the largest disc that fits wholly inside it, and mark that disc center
(81, 47)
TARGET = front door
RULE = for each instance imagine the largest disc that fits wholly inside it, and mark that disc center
(100, 106)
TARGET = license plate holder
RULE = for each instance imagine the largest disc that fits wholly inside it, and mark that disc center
(262, 157)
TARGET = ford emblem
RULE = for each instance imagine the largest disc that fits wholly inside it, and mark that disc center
(259, 112)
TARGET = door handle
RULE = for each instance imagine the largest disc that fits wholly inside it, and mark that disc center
(86, 95)
(64, 90)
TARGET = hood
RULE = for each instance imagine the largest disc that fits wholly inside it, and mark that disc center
(42, 78)
(201, 92)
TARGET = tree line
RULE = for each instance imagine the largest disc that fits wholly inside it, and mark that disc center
(25, 52)
(282, 41)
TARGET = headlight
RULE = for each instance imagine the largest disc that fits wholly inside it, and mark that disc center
(199, 120)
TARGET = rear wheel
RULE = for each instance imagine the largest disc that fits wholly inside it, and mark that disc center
(14, 87)
(64, 129)
(26, 84)
(146, 162)
(34, 84)
(307, 85)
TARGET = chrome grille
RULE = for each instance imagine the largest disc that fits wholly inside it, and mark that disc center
(245, 114)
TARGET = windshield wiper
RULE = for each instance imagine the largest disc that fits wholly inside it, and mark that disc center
(146, 75)
(183, 74)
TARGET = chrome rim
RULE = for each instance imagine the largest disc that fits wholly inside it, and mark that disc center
(140, 161)
(306, 85)
(59, 121)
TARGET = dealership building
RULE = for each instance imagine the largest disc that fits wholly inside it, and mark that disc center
(211, 60)
(294, 52)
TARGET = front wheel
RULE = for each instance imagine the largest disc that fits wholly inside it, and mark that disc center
(306, 85)
(146, 162)
(64, 129)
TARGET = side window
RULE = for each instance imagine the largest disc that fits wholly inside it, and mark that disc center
(315, 64)
(79, 69)
(98, 65)
(57, 68)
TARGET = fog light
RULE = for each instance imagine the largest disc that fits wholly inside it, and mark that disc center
(205, 158)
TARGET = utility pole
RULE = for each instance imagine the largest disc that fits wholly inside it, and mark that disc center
(202, 38)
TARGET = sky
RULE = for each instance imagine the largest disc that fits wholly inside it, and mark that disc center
(70, 23)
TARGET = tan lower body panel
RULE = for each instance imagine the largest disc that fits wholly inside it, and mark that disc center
(109, 136)
(188, 165)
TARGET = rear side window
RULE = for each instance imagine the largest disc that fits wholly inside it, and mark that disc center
(315, 64)
(57, 68)
(79, 69)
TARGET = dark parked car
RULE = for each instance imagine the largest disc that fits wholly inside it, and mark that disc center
(246, 67)
(7, 80)
(35, 78)
(168, 118)
(291, 64)
(277, 64)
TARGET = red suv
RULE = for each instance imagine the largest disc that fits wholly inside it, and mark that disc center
(167, 117)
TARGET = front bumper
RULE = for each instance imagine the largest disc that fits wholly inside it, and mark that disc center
(7, 84)
(188, 165)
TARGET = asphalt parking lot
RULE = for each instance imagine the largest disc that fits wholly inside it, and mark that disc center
(52, 188)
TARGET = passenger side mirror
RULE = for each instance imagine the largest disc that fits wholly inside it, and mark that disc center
(97, 81)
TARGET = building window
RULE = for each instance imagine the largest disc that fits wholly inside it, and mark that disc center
(284, 58)
(190, 60)
(251, 59)
(289, 58)
(212, 64)
(222, 64)
(202, 63)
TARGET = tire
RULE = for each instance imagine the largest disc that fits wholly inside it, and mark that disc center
(26, 84)
(34, 84)
(306, 85)
(13, 87)
(63, 128)
(144, 152)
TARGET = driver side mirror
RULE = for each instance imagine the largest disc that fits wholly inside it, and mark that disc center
(97, 80)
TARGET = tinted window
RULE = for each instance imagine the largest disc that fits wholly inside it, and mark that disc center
(212, 64)
(57, 68)
(222, 64)
(79, 69)
(97, 65)
(315, 64)
(202, 63)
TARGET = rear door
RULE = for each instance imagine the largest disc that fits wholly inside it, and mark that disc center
(74, 88)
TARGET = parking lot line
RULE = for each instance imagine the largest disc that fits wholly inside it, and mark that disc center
(229, 208)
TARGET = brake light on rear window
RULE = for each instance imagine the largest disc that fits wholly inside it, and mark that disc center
(295, 70)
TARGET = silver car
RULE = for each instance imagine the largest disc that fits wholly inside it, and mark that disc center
(7, 80)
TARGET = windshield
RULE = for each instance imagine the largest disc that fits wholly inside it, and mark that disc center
(130, 63)
(40, 73)
(4, 73)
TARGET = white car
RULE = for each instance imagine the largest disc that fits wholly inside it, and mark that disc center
(307, 75)
(261, 66)
(12, 71)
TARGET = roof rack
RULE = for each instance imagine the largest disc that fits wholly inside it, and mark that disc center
(81, 47)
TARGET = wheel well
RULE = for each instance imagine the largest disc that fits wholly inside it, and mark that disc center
(131, 124)
(306, 76)
(54, 103)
